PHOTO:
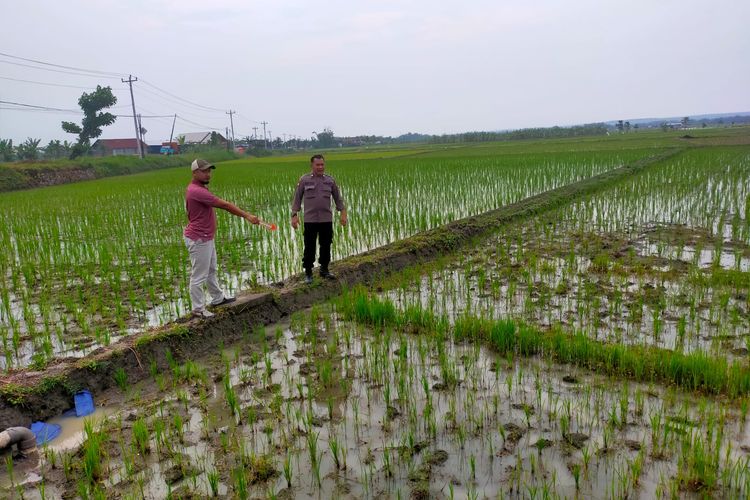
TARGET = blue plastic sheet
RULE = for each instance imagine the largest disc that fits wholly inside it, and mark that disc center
(45, 432)
(84, 403)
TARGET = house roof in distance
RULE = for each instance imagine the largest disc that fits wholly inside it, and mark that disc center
(199, 137)
(119, 143)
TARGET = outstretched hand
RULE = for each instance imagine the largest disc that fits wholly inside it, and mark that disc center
(253, 219)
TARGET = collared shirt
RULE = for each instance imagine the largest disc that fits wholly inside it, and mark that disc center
(199, 202)
(316, 191)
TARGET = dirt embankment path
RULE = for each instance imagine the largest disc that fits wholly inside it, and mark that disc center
(28, 395)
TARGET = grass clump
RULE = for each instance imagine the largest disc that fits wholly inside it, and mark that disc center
(697, 371)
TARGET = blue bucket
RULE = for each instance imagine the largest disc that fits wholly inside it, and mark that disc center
(45, 432)
(84, 403)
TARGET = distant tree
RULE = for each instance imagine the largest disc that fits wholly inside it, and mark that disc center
(215, 140)
(664, 126)
(28, 149)
(703, 125)
(685, 121)
(93, 120)
(181, 140)
(57, 149)
(636, 127)
(627, 126)
(620, 125)
(7, 152)
(326, 139)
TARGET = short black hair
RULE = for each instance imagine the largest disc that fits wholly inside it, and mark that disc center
(316, 157)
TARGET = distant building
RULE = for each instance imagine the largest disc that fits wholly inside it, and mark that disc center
(117, 147)
(203, 138)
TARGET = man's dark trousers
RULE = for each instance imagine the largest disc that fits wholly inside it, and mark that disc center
(313, 231)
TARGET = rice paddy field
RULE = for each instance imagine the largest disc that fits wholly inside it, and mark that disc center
(662, 259)
(594, 350)
(92, 262)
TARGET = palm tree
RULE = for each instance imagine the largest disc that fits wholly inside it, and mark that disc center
(7, 152)
(29, 149)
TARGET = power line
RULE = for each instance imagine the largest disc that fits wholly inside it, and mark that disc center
(31, 110)
(167, 102)
(52, 84)
(246, 118)
(58, 70)
(110, 73)
(73, 112)
(145, 116)
(181, 99)
(198, 124)
(169, 99)
(35, 107)
(39, 107)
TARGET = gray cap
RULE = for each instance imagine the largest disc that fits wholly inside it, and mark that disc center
(201, 165)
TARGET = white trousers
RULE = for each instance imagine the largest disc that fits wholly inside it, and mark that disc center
(204, 267)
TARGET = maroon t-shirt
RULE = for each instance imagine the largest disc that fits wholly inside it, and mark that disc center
(200, 202)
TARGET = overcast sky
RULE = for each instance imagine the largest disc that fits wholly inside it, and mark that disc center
(375, 67)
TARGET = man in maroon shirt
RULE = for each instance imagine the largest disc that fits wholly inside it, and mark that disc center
(199, 237)
(316, 190)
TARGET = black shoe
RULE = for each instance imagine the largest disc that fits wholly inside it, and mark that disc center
(224, 301)
(325, 274)
(308, 276)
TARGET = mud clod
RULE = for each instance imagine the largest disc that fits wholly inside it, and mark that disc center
(576, 439)
(513, 432)
(392, 412)
(437, 457)
(632, 444)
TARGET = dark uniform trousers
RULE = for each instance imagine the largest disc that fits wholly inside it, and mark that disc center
(313, 232)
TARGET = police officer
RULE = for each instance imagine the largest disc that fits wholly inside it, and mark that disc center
(316, 190)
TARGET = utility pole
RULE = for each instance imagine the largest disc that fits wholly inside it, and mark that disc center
(171, 134)
(265, 140)
(130, 81)
(140, 128)
(231, 121)
(270, 136)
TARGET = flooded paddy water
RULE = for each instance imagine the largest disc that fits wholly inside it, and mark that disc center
(325, 408)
